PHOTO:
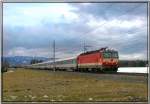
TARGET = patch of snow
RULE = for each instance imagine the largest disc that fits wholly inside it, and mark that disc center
(52, 100)
(60, 100)
(10, 71)
(45, 96)
(13, 97)
(90, 98)
(30, 96)
(33, 97)
(134, 69)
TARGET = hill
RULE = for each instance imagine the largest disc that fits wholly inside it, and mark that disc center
(22, 60)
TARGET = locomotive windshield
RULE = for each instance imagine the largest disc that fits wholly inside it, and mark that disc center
(114, 54)
(110, 54)
(107, 55)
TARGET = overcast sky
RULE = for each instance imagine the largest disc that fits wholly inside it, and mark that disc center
(30, 28)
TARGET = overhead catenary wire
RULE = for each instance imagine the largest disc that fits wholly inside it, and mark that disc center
(95, 40)
(123, 33)
(101, 25)
(86, 46)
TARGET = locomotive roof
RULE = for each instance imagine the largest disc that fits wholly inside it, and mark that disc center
(99, 50)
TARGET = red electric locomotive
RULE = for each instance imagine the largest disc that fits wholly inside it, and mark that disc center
(103, 60)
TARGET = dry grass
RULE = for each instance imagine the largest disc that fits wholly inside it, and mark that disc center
(37, 85)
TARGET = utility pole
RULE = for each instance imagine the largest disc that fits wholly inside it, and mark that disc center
(84, 48)
(54, 55)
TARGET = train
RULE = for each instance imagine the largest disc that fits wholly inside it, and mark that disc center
(101, 60)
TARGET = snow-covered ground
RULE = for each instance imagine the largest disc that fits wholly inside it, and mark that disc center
(134, 69)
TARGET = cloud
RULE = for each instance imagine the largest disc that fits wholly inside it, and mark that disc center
(33, 14)
(21, 51)
(115, 23)
(113, 10)
(29, 29)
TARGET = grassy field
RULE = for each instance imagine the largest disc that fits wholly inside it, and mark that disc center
(38, 85)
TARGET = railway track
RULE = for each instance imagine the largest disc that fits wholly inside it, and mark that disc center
(137, 74)
(117, 73)
(120, 73)
(95, 72)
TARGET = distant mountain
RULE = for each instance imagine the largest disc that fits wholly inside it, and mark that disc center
(22, 60)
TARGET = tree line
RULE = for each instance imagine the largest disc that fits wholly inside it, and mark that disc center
(133, 63)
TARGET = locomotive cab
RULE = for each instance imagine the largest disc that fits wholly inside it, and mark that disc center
(110, 60)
